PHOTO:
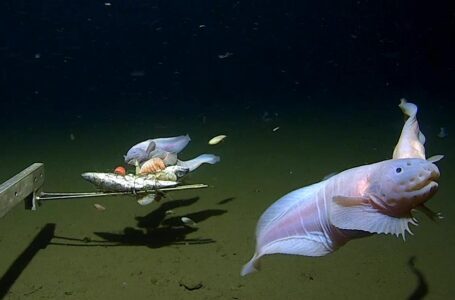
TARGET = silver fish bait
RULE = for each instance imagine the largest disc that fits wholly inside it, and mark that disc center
(110, 182)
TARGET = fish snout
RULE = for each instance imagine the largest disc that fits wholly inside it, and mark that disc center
(434, 171)
(429, 171)
(423, 176)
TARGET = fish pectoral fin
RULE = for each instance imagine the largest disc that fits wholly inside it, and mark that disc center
(150, 148)
(356, 213)
(434, 216)
(170, 159)
(435, 158)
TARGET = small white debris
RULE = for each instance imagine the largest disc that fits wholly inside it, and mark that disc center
(169, 212)
(188, 222)
(99, 207)
(217, 139)
(72, 137)
(107, 4)
(202, 26)
(146, 200)
(225, 55)
(276, 128)
(443, 133)
(37, 55)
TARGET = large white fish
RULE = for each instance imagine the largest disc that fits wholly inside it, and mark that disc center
(376, 198)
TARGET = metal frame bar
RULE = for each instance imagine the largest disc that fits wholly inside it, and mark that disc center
(25, 185)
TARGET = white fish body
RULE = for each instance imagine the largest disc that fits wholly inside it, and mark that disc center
(111, 182)
(318, 219)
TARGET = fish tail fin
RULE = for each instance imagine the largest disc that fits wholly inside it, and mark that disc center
(409, 109)
(252, 266)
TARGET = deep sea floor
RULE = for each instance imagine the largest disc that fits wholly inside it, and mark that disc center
(130, 251)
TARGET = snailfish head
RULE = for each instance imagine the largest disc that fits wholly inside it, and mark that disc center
(399, 185)
(139, 152)
(135, 154)
(179, 171)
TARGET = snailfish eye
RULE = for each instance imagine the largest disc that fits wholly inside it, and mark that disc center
(398, 170)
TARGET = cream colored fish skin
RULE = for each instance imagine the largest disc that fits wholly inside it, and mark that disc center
(412, 140)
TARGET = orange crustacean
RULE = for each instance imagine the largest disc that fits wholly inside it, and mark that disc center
(153, 165)
(120, 171)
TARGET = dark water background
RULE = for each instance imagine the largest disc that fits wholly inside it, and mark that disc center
(82, 81)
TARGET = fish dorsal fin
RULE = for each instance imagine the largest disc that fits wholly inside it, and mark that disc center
(435, 158)
(357, 213)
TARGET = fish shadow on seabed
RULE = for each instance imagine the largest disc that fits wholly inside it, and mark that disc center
(422, 287)
(154, 230)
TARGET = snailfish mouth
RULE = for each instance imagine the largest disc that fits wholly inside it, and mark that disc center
(426, 192)
(430, 188)
(428, 176)
(435, 172)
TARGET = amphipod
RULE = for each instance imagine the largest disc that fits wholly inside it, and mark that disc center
(153, 165)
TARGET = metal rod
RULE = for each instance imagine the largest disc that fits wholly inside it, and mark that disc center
(62, 196)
